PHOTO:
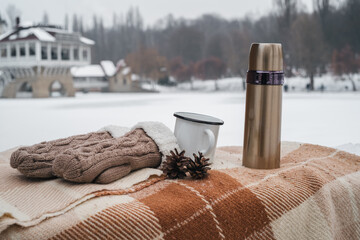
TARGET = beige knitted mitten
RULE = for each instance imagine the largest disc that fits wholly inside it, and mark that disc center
(108, 160)
(36, 161)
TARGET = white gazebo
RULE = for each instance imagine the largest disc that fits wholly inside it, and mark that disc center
(38, 56)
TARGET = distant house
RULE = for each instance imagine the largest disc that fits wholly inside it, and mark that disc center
(105, 77)
(90, 78)
(123, 80)
(33, 58)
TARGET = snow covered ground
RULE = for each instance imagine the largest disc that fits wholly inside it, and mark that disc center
(329, 83)
(329, 119)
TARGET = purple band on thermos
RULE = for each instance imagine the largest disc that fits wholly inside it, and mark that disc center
(265, 77)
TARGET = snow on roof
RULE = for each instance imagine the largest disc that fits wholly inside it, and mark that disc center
(126, 71)
(25, 24)
(21, 34)
(56, 30)
(87, 41)
(41, 34)
(64, 31)
(121, 63)
(109, 67)
(88, 71)
(135, 77)
(5, 35)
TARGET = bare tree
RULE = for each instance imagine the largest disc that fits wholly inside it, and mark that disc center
(45, 19)
(238, 56)
(345, 62)
(186, 42)
(12, 13)
(287, 11)
(66, 22)
(323, 8)
(210, 68)
(216, 46)
(180, 71)
(75, 24)
(147, 63)
(80, 25)
(351, 23)
(308, 45)
(3, 25)
(175, 65)
(309, 39)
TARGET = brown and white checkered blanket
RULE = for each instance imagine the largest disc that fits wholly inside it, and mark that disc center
(314, 195)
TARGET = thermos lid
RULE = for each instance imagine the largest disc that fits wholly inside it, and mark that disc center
(200, 118)
(266, 57)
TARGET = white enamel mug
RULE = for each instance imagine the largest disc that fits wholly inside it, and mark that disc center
(197, 133)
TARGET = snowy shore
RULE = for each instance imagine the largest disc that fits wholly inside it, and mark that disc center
(329, 119)
(324, 83)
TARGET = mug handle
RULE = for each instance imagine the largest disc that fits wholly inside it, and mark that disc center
(211, 138)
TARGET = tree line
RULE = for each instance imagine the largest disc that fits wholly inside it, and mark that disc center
(324, 40)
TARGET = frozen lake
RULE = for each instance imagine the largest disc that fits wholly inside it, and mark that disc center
(329, 119)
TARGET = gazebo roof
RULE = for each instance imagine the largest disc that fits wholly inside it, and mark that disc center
(43, 33)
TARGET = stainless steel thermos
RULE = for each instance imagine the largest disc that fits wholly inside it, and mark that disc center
(262, 135)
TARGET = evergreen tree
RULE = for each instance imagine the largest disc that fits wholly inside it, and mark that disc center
(66, 22)
(45, 19)
(75, 24)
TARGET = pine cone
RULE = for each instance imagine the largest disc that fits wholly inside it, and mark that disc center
(199, 167)
(175, 164)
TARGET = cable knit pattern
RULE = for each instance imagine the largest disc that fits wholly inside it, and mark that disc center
(36, 161)
(86, 163)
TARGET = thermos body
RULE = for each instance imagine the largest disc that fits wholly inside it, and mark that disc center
(262, 133)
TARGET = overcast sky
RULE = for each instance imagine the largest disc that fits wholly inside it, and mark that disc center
(151, 10)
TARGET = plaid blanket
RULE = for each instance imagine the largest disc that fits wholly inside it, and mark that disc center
(314, 195)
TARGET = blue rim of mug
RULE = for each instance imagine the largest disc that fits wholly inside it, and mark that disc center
(199, 118)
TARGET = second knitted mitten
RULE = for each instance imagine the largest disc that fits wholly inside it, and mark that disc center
(112, 159)
(84, 164)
